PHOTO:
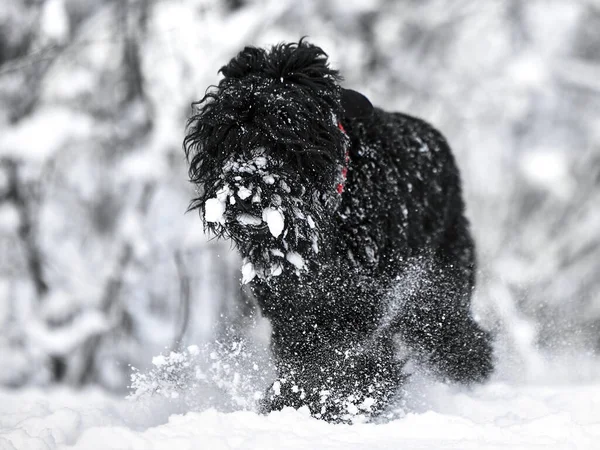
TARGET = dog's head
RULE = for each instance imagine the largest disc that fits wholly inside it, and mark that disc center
(268, 153)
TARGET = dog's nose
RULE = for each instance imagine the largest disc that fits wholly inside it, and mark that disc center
(244, 204)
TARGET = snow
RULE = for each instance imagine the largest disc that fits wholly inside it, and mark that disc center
(269, 179)
(494, 416)
(193, 350)
(296, 259)
(548, 169)
(276, 270)
(213, 210)
(244, 193)
(64, 340)
(248, 272)
(260, 161)
(275, 220)
(43, 134)
(277, 387)
(159, 360)
(9, 217)
(54, 22)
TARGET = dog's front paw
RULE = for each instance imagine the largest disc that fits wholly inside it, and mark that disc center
(283, 393)
(338, 404)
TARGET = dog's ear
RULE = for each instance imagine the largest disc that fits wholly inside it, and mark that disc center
(355, 104)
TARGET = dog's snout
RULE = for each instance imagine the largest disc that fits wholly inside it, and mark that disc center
(244, 204)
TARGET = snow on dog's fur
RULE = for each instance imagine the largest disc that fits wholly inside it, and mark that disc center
(350, 222)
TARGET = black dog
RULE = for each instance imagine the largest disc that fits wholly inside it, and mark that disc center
(351, 224)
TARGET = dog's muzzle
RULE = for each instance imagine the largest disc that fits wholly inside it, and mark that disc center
(267, 213)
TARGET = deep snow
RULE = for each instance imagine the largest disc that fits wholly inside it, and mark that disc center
(494, 416)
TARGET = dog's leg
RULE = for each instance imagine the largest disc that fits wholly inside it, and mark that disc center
(448, 341)
(337, 378)
(435, 319)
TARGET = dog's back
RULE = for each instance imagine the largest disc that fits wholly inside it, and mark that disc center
(403, 176)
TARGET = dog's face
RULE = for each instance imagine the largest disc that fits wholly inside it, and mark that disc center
(267, 153)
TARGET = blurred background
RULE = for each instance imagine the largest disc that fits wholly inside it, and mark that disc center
(100, 267)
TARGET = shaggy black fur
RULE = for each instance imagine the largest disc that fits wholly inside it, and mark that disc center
(388, 261)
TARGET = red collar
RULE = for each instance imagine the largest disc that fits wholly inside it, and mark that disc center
(340, 185)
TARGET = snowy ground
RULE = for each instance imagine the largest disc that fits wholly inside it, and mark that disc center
(495, 416)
